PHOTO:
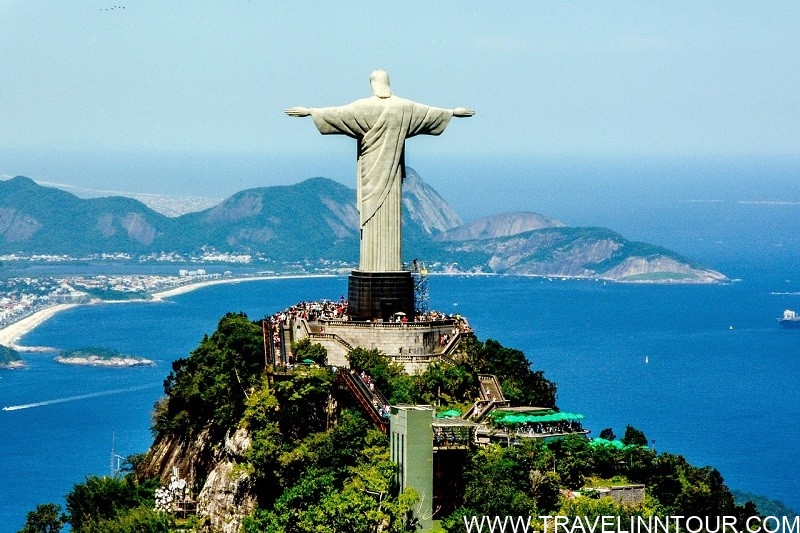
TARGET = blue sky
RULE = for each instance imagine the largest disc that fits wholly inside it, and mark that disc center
(544, 77)
(547, 79)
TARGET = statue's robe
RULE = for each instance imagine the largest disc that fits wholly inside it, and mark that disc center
(381, 126)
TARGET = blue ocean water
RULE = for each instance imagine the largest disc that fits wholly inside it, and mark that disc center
(704, 371)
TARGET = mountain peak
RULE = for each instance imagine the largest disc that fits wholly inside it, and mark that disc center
(426, 207)
(21, 182)
(500, 225)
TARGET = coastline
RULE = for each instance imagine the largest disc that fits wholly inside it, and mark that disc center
(12, 333)
(189, 287)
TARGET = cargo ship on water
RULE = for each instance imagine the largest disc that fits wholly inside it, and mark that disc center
(790, 319)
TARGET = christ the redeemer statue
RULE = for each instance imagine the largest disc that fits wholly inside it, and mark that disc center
(381, 124)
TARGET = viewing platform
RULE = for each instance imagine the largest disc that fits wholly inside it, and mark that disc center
(413, 343)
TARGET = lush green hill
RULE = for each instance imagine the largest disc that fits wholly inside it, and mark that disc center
(313, 219)
(298, 461)
(44, 220)
(317, 219)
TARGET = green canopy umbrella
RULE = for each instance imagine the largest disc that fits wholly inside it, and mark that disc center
(450, 413)
(511, 419)
(604, 442)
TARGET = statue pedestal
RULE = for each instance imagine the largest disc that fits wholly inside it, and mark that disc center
(380, 295)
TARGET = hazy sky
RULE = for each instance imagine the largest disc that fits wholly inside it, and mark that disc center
(544, 77)
(563, 79)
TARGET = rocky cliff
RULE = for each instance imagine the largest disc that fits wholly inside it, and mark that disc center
(223, 490)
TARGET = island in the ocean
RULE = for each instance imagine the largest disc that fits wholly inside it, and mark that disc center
(9, 358)
(100, 357)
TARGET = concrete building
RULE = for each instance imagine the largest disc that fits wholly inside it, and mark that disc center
(411, 447)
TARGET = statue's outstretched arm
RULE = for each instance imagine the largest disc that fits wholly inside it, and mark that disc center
(463, 112)
(298, 111)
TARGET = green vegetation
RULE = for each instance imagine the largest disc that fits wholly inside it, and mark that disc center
(46, 518)
(766, 506)
(103, 505)
(313, 468)
(102, 353)
(337, 480)
(526, 480)
(304, 350)
(110, 505)
(112, 294)
(521, 384)
(634, 437)
(8, 355)
(454, 385)
(209, 389)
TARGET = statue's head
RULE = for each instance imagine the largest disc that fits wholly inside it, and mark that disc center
(379, 80)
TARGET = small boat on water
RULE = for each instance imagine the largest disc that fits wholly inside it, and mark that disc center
(790, 319)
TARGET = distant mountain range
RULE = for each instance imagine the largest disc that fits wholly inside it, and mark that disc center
(317, 220)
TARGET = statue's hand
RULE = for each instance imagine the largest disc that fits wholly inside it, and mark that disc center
(298, 111)
(463, 112)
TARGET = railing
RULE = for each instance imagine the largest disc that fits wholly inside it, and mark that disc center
(490, 382)
(475, 409)
(451, 346)
(286, 342)
(331, 336)
(387, 325)
(364, 396)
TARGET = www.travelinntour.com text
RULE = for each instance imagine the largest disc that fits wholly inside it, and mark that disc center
(631, 524)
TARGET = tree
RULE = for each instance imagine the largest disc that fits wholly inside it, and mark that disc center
(101, 499)
(544, 490)
(389, 377)
(304, 349)
(665, 482)
(46, 518)
(138, 520)
(634, 436)
(303, 401)
(606, 460)
(446, 382)
(209, 388)
(521, 385)
(497, 468)
(607, 434)
(573, 459)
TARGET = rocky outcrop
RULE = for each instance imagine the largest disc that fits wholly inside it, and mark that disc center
(426, 207)
(584, 252)
(226, 497)
(192, 456)
(17, 227)
(138, 228)
(661, 269)
(246, 204)
(223, 488)
(500, 225)
(95, 360)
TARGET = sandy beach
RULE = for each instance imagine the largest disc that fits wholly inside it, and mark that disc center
(11, 334)
(183, 289)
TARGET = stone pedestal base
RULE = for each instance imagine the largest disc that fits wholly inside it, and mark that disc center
(380, 295)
